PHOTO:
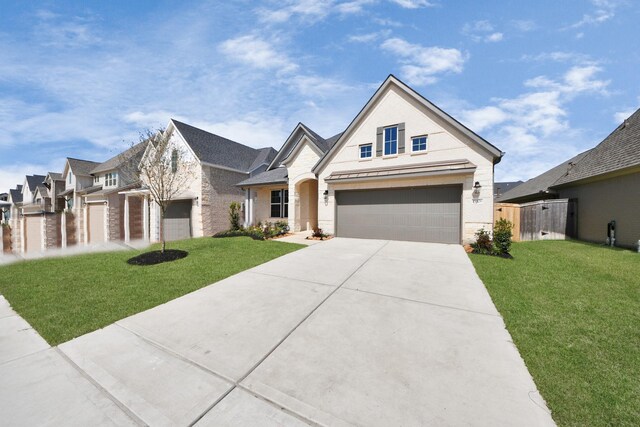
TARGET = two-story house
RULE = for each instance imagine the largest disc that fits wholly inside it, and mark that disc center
(402, 170)
(201, 208)
(77, 177)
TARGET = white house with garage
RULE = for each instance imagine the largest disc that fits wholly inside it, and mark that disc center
(201, 208)
(402, 170)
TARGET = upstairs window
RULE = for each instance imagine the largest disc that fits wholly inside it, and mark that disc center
(70, 176)
(111, 179)
(419, 143)
(174, 161)
(390, 141)
(96, 179)
(366, 151)
(279, 203)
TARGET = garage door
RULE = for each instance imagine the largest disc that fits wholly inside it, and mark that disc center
(177, 220)
(33, 233)
(423, 214)
(96, 223)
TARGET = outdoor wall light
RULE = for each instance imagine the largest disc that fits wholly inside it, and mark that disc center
(197, 201)
(477, 185)
(326, 196)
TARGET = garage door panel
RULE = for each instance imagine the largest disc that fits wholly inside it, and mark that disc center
(97, 214)
(177, 221)
(428, 214)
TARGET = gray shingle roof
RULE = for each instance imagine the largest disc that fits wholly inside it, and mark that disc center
(214, 149)
(56, 176)
(273, 176)
(34, 180)
(499, 188)
(541, 183)
(265, 155)
(619, 150)
(133, 154)
(16, 194)
(81, 167)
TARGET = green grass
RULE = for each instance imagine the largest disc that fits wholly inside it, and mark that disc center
(573, 310)
(63, 298)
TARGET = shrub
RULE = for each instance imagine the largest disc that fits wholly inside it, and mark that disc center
(254, 232)
(502, 236)
(483, 243)
(318, 233)
(234, 215)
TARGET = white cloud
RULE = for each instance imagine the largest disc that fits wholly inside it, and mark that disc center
(305, 9)
(621, 116)
(369, 37)
(354, 6)
(482, 31)
(413, 4)
(560, 56)
(257, 53)
(422, 64)
(604, 11)
(532, 125)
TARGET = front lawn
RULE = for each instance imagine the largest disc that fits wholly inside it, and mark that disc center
(63, 298)
(573, 310)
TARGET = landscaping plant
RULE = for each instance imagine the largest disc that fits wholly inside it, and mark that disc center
(234, 216)
(502, 237)
(483, 244)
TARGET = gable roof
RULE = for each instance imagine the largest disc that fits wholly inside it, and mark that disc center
(217, 150)
(619, 150)
(55, 176)
(265, 156)
(393, 80)
(33, 181)
(500, 188)
(133, 154)
(81, 167)
(541, 183)
(290, 144)
(16, 194)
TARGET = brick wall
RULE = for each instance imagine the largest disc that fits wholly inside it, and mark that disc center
(53, 236)
(218, 191)
(6, 239)
(72, 233)
(115, 217)
(135, 218)
(16, 232)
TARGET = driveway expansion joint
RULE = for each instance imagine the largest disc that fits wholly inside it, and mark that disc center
(422, 302)
(134, 417)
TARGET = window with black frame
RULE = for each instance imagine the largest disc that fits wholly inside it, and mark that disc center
(279, 203)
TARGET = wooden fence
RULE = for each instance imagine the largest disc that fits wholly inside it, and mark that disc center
(540, 220)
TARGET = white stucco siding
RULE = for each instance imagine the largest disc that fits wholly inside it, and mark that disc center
(444, 143)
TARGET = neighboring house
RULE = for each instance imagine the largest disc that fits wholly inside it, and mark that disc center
(604, 182)
(202, 208)
(539, 187)
(499, 188)
(5, 208)
(104, 201)
(403, 170)
(77, 177)
(606, 185)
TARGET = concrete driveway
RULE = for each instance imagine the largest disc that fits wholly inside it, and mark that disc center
(347, 332)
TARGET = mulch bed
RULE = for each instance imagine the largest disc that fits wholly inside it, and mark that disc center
(157, 257)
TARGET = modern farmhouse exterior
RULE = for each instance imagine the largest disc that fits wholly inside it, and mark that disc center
(403, 169)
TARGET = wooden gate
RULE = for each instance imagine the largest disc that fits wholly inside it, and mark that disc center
(510, 212)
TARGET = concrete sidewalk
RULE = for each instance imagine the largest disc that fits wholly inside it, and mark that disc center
(347, 332)
(40, 386)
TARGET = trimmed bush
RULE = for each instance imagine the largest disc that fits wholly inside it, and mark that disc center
(234, 215)
(254, 232)
(483, 243)
(502, 236)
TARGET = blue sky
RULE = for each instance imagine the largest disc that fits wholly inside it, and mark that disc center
(542, 80)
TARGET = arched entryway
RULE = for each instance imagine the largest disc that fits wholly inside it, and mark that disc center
(306, 205)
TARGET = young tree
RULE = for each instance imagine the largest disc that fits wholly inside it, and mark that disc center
(165, 170)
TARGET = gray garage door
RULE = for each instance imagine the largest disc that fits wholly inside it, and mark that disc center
(177, 220)
(422, 214)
